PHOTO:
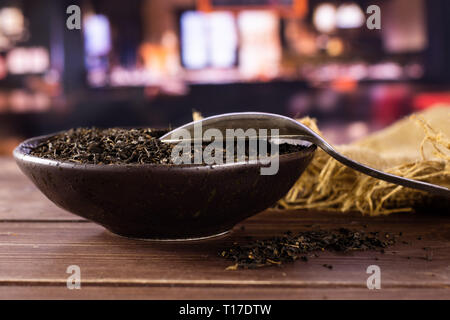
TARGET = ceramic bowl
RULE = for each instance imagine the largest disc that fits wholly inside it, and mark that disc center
(165, 202)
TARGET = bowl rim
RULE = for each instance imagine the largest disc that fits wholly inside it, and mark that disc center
(20, 155)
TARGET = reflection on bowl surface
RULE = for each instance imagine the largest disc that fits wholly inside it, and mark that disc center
(153, 201)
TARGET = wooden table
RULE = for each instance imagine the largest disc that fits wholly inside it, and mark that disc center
(38, 241)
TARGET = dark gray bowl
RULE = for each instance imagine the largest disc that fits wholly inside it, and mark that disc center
(162, 201)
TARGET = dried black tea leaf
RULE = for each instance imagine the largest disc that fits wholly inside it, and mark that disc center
(119, 146)
(290, 247)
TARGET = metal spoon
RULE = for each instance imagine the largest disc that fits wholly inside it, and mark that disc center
(289, 128)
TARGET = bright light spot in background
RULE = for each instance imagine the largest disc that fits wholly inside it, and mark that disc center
(208, 40)
(357, 130)
(97, 35)
(27, 60)
(335, 47)
(194, 46)
(97, 78)
(223, 39)
(22, 101)
(385, 71)
(260, 50)
(349, 16)
(11, 22)
(169, 42)
(357, 71)
(405, 26)
(19, 101)
(324, 17)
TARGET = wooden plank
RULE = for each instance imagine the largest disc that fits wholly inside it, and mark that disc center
(38, 241)
(39, 253)
(20, 200)
(214, 293)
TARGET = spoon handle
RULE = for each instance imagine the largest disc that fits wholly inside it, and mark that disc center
(402, 181)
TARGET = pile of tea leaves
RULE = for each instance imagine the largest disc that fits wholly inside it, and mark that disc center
(290, 247)
(116, 146)
(105, 146)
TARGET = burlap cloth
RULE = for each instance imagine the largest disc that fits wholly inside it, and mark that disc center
(416, 147)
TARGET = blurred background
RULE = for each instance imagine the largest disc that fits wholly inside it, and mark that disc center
(152, 62)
